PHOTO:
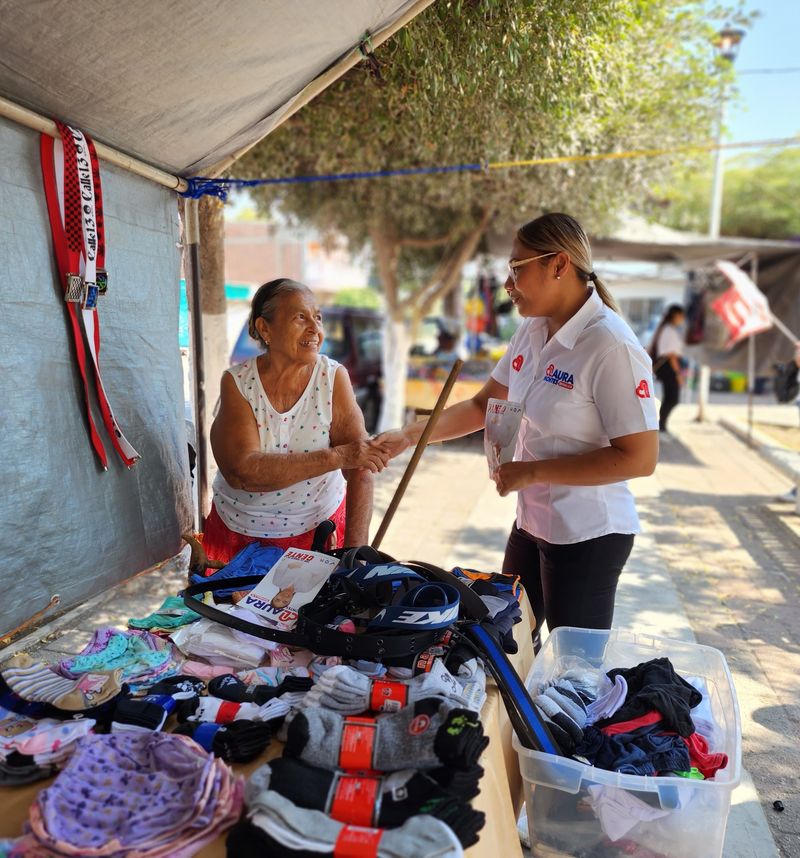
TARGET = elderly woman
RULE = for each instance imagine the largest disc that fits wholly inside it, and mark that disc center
(289, 438)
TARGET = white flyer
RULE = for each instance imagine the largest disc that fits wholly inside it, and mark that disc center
(503, 419)
(291, 583)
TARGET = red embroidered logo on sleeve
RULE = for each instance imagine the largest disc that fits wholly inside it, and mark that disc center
(643, 390)
(517, 363)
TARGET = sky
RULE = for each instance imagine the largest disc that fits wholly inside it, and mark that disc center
(768, 105)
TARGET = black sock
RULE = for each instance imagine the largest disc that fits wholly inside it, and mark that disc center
(236, 742)
(230, 687)
(401, 797)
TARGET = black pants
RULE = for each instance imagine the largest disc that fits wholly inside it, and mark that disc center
(666, 375)
(568, 585)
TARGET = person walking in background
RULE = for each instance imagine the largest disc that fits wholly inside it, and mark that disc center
(666, 350)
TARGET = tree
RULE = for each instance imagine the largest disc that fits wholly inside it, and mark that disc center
(759, 201)
(486, 81)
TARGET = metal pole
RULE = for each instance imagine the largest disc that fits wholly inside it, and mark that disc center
(417, 455)
(714, 220)
(751, 360)
(715, 214)
(37, 122)
(191, 228)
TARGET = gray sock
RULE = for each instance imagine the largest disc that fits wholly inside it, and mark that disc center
(402, 740)
(298, 829)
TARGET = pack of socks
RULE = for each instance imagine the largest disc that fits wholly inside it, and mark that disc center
(34, 681)
(424, 735)
(394, 798)
(215, 711)
(345, 690)
(150, 712)
(278, 828)
(237, 742)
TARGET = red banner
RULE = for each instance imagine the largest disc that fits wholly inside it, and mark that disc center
(743, 308)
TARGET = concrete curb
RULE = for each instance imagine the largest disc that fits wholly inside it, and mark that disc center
(785, 460)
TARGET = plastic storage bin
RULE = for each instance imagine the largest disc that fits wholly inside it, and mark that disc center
(692, 815)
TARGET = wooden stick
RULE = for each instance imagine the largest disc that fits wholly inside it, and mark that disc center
(417, 455)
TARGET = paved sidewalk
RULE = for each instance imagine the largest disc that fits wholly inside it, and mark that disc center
(717, 562)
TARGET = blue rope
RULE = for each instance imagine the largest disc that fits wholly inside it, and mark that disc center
(200, 186)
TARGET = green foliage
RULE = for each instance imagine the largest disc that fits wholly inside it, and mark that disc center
(355, 297)
(760, 197)
(497, 80)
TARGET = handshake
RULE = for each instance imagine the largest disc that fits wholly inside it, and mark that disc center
(374, 454)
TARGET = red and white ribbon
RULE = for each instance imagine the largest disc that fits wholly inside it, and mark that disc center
(74, 201)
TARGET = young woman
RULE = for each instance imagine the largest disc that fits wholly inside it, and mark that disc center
(589, 425)
(666, 351)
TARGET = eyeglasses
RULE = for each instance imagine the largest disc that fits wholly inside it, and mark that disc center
(518, 263)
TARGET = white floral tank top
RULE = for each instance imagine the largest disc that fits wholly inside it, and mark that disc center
(303, 428)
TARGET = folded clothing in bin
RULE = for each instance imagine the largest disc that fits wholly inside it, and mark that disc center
(578, 809)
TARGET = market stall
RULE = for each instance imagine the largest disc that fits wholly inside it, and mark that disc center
(500, 785)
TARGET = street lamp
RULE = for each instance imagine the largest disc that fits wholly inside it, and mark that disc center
(727, 44)
(728, 41)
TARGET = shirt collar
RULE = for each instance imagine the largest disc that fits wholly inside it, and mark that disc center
(568, 334)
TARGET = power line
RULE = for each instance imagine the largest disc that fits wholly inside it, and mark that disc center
(787, 70)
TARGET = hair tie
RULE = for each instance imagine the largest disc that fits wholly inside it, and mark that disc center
(592, 276)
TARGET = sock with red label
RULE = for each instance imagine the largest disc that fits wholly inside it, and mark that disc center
(357, 799)
(423, 735)
(291, 830)
(212, 710)
(346, 690)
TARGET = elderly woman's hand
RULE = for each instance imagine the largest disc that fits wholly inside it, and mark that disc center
(362, 454)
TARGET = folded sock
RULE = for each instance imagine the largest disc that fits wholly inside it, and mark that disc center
(174, 694)
(607, 704)
(172, 614)
(213, 710)
(424, 735)
(34, 681)
(237, 742)
(397, 797)
(230, 687)
(285, 829)
(18, 769)
(345, 690)
(558, 710)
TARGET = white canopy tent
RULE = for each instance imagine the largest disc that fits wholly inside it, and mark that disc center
(170, 89)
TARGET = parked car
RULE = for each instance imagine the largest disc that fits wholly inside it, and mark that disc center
(354, 338)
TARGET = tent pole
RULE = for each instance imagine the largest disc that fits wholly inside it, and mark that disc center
(192, 241)
(23, 116)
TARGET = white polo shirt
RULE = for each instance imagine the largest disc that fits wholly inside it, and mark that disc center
(591, 382)
(670, 342)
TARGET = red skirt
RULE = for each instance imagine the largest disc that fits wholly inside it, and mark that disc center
(221, 543)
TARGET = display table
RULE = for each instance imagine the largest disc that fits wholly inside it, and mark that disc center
(501, 786)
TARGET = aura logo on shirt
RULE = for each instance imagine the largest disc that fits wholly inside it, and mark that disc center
(643, 390)
(517, 363)
(559, 376)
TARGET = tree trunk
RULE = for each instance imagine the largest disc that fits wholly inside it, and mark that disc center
(212, 298)
(396, 339)
(395, 373)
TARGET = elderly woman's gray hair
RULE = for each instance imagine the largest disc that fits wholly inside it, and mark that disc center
(266, 300)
